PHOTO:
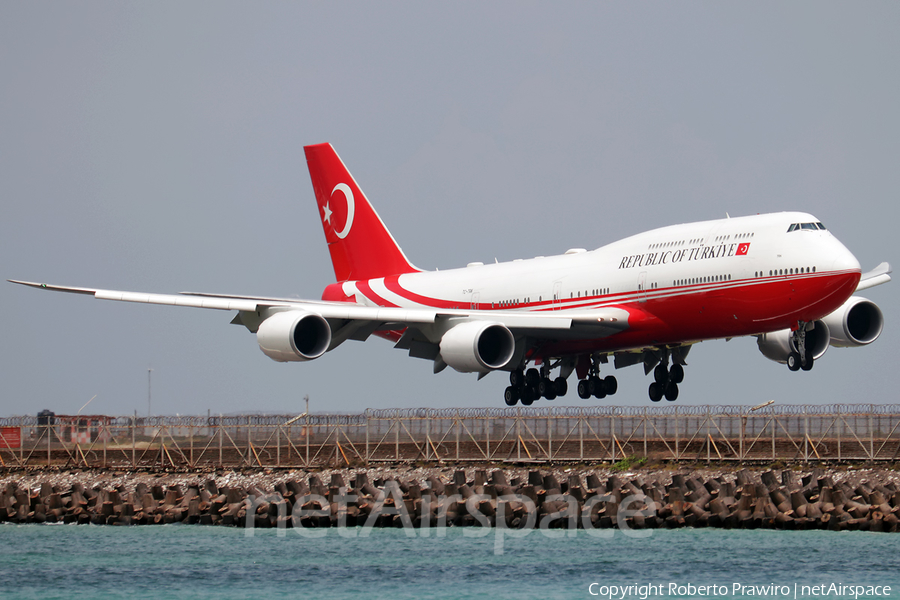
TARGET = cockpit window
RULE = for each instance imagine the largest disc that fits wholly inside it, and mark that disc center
(806, 226)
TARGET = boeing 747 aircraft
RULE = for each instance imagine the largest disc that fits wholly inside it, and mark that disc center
(646, 299)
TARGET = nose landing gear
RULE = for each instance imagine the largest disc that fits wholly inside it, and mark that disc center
(803, 357)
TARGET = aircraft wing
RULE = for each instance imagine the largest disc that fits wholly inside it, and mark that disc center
(877, 276)
(553, 325)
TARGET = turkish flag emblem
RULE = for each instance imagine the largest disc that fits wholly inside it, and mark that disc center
(742, 249)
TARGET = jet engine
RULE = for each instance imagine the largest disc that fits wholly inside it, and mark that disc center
(477, 346)
(294, 335)
(777, 345)
(857, 323)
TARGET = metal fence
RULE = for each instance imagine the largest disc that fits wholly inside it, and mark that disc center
(788, 433)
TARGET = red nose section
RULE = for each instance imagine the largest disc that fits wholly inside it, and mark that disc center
(361, 247)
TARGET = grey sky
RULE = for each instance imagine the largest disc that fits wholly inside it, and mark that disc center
(158, 147)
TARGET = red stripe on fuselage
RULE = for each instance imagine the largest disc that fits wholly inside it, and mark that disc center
(368, 292)
(685, 313)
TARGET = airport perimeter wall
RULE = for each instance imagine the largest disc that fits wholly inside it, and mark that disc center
(549, 434)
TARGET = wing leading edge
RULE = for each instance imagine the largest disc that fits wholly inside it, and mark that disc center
(602, 323)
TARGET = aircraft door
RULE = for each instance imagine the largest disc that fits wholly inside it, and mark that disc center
(557, 292)
(642, 286)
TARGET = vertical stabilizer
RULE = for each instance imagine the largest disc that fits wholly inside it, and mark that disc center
(361, 247)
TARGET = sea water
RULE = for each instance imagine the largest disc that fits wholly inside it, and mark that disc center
(185, 561)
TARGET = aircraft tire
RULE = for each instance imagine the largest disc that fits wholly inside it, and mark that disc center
(545, 388)
(597, 387)
(511, 396)
(676, 374)
(810, 361)
(583, 389)
(656, 391)
(661, 374)
(611, 385)
(793, 361)
(517, 378)
(671, 391)
(561, 386)
(532, 377)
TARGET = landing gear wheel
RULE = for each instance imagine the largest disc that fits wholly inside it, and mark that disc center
(807, 365)
(511, 395)
(661, 374)
(656, 391)
(561, 386)
(517, 378)
(597, 387)
(793, 361)
(676, 374)
(671, 391)
(545, 388)
(529, 395)
(584, 391)
(532, 378)
(611, 385)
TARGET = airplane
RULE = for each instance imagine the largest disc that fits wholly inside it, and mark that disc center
(646, 299)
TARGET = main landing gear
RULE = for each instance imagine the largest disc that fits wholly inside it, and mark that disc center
(596, 386)
(535, 384)
(802, 358)
(532, 385)
(666, 381)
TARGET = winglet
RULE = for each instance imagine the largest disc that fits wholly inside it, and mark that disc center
(877, 276)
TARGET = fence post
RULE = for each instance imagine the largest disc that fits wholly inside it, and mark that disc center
(133, 431)
(221, 435)
(840, 425)
(677, 436)
(550, 433)
(368, 418)
(458, 427)
(805, 435)
(519, 434)
(773, 435)
(871, 433)
(645, 433)
(487, 435)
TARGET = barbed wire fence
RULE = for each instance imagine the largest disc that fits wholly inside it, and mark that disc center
(549, 434)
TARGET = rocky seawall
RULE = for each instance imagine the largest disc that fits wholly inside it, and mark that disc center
(515, 498)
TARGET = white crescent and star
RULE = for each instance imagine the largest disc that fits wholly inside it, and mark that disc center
(351, 209)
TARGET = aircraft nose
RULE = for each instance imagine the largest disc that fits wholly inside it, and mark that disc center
(845, 261)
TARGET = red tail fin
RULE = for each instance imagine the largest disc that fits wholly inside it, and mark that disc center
(361, 247)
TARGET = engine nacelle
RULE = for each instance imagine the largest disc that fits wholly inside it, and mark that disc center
(477, 346)
(857, 323)
(777, 345)
(294, 335)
